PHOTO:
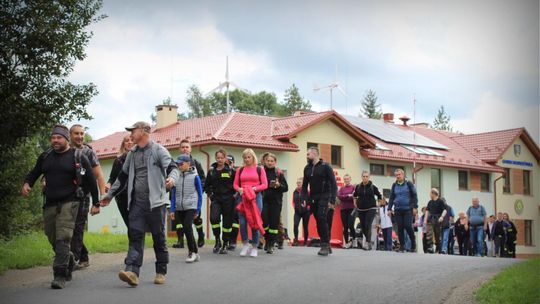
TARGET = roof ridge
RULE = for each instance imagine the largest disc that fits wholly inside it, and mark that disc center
(489, 132)
(303, 115)
(224, 125)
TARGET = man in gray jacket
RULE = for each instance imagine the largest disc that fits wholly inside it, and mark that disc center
(148, 172)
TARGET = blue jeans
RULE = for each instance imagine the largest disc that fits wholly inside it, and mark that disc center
(445, 234)
(244, 228)
(477, 239)
(387, 236)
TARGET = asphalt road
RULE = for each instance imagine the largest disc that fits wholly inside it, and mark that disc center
(293, 275)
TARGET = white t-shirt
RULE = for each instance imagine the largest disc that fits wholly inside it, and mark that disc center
(386, 221)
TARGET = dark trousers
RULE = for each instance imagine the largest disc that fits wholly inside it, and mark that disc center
(141, 217)
(499, 243)
(186, 218)
(366, 222)
(304, 217)
(404, 220)
(198, 225)
(77, 241)
(122, 204)
(347, 220)
(463, 243)
(511, 246)
(330, 221)
(59, 222)
(387, 236)
(219, 209)
(320, 210)
(270, 215)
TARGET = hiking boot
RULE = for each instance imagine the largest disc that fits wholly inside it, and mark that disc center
(280, 245)
(223, 249)
(231, 246)
(58, 282)
(129, 277)
(200, 240)
(160, 279)
(179, 244)
(270, 250)
(323, 251)
(217, 246)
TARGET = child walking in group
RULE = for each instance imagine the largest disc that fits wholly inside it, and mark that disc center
(186, 202)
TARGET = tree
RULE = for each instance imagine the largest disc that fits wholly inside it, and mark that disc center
(40, 42)
(294, 101)
(370, 107)
(442, 121)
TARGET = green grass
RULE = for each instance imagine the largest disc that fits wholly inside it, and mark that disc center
(33, 249)
(517, 284)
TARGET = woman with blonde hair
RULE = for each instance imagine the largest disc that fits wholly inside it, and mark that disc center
(121, 198)
(462, 233)
(250, 179)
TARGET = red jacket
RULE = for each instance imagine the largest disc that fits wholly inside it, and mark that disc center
(248, 208)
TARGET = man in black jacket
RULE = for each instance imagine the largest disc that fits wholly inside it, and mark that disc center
(68, 178)
(320, 178)
(185, 148)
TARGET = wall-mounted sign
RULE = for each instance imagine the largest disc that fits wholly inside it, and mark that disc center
(518, 206)
(517, 163)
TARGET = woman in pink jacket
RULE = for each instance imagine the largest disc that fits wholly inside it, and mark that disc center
(253, 176)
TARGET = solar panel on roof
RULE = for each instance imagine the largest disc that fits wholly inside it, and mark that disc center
(392, 134)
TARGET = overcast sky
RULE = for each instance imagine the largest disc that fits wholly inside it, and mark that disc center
(480, 59)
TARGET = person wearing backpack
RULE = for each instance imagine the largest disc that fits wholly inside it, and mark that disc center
(272, 201)
(365, 193)
(319, 177)
(77, 135)
(220, 190)
(477, 224)
(69, 178)
(250, 180)
(403, 205)
(149, 172)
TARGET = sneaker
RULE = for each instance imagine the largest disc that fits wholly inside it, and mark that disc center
(129, 277)
(160, 279)
(323, 251)
(200, 240)
(223, 249)
(179, 244)
(295, 243)
(217, 246)
(192, 257)
(354, 243)
(81, 265)
(347, 245)
(270, 250)
(245, 250)
(58, 283)
(254, 253)
(197, 257)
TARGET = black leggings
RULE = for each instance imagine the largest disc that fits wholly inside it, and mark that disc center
(305, 224)
(366, 220)
(186, 218)
(463, 243)
(223, 209)
(270, 215)
(347, 220)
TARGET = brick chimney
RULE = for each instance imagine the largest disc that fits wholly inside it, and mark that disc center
(166, 115)
(388, 117)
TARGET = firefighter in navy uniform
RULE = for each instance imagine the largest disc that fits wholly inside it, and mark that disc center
(219, 188)
(511, 237)
(69, 178)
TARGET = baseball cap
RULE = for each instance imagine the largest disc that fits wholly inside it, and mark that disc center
(140, 125)
(183, 158)
(230, 158)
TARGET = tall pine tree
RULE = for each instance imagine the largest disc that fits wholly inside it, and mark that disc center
(370, 107)
(442, 121)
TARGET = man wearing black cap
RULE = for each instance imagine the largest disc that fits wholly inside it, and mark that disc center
(76, 134)
(69, 178)
(148, 171)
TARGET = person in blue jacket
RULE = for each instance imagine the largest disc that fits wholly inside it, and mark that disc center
(403, 205)
(186, 202)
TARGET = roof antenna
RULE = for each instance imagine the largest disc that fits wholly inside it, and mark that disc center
(414, 139)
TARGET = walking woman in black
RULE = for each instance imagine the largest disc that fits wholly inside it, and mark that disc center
(365, 194)
(122, 197)
(272, 201)
(462, 233)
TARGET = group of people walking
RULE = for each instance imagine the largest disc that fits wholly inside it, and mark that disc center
(248, 199)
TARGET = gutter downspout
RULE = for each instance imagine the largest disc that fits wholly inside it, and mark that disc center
(495, 192)
(207, 199)
(416, 171)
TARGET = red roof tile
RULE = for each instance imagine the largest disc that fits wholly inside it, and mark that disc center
(488, 146)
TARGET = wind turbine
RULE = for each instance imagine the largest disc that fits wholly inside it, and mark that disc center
(331, 87)
(226, 84)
